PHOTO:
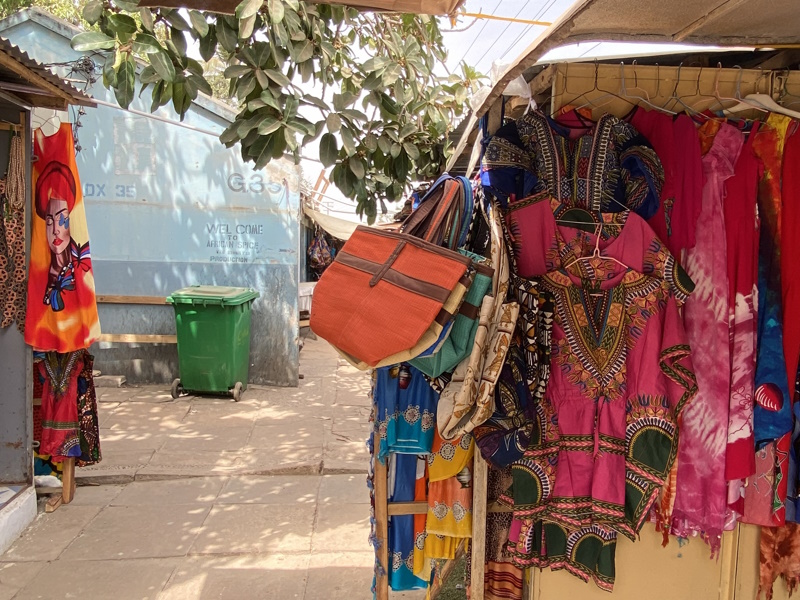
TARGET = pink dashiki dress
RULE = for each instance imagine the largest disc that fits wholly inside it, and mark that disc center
(604, 439)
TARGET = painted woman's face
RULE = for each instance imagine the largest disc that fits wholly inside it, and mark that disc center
(57, 219)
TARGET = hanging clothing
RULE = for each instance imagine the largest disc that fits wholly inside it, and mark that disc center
(587, 552)
(741, 232)
(701, 494)
(780, 557)
(790, 291)
(401, 527)
(61, 305)
(60, 428)
(772, 418)
(621, 365)
(406, 410)
(677, 144)
(503, 580)
(88, 422)
(14, 260)
(541, 245)
(606, 166)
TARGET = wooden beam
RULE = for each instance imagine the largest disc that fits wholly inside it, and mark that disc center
(120, 299)
(138, 338)
(543, 80)
(68, 480)
(480, 483)
(721, 9)
(407, 508)
(381, 485)
(30, 75)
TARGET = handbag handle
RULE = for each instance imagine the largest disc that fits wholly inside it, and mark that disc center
(435, 219)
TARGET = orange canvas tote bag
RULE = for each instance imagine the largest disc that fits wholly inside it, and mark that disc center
(384, 291)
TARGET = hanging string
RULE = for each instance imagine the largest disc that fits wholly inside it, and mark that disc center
(15, 181)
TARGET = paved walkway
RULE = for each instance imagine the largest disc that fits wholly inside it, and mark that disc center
(206, 498)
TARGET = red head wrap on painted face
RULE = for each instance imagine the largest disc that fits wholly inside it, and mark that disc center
(56, 181)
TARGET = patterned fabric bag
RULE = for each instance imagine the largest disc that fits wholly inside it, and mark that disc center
(468, 399)
(388, 296)
(459, 343)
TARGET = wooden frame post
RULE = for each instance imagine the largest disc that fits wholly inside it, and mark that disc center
(381, 484)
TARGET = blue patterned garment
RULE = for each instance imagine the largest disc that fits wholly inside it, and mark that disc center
(406, 416)
(401, 528)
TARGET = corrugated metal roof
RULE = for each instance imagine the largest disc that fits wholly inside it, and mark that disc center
(423, 7)
(706, 22)
(19, 71)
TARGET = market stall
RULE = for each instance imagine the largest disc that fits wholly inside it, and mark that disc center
(25, 86)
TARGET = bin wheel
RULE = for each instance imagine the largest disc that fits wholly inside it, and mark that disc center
(177, 389)
(237, 391)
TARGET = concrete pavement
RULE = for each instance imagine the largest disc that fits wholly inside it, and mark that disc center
(202, 498)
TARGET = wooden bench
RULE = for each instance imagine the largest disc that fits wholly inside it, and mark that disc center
(135, 338)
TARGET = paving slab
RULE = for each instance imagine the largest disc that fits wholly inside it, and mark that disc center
(121, 580)
(276, 577)
(122, 532)
(95, 495)
(343, 489)
(342, 576)
(205, 437)
(341, 527)
(196, 490)
(297, 432)
(256, 529)
(276, 489)
(15, 576)
(50, 534)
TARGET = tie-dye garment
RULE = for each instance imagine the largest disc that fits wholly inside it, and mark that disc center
(741, 231)
(701, 491)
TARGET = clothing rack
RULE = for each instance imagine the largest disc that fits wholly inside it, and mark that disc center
(601, 87)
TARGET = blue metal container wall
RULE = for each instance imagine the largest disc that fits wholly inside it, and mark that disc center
(170, 207)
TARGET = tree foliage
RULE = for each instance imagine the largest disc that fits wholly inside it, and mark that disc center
(364, 85)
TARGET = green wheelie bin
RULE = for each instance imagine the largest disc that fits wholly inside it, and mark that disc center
(213, 327)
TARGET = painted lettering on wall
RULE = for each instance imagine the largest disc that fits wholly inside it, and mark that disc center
(234, 242)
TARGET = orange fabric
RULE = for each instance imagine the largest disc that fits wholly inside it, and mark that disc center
(61, 306)
(371, 322)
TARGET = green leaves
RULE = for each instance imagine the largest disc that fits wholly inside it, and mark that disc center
(328, 150)
(125, 82)
(92, 40)
(248, 8)
(379, 120)
(276, 11)
(162, 63)
(92, 11)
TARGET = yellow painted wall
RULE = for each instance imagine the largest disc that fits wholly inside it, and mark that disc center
(648, 571)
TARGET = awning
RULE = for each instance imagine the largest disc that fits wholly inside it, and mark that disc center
(422, 7)
(771, 23)
(338, 228)
(33, 83)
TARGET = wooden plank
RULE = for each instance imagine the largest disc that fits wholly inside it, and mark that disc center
(407, 508)
(730, 561)
(138, 338)
(68, 480)
(480, 488)
(305, 322)
(31, 76)
(53, 503)
(122, 299)
(381, 484)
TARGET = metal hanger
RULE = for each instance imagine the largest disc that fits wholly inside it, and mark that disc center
(596, 253)
(742, 103)
(606, 93)
(646, 99)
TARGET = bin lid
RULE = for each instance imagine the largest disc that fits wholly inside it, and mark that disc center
(212, 294)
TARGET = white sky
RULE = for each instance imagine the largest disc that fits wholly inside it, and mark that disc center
(481, 42)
